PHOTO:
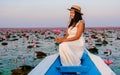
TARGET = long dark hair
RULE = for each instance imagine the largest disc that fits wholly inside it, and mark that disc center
(76, 18)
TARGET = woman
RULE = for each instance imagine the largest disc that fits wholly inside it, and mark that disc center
(72, 45)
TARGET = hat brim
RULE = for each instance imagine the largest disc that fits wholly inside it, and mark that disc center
(75, 10)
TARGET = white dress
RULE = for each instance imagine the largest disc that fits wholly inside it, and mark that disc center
(71, 52)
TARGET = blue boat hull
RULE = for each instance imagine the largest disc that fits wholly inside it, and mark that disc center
(55, 68)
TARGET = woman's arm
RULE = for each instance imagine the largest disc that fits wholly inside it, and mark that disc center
(59, 40)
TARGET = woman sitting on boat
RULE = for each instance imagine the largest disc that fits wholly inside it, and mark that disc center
(72, 45)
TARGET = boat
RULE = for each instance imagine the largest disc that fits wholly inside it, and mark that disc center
(90, 65)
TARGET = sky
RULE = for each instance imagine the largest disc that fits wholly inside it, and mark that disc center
(54, 13)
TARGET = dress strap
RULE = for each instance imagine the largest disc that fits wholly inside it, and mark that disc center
(80, 21)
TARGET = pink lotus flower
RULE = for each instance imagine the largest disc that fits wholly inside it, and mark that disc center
(56, 30)
(108, 62)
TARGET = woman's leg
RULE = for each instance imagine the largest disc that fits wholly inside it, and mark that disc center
(68, 57)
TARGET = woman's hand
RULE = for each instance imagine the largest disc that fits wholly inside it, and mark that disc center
(59, 40)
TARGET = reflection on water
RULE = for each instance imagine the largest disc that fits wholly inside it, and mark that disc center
(22, 49)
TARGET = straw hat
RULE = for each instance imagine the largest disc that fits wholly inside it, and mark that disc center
(76, 8)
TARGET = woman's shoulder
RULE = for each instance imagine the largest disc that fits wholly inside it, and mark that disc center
(81, 22)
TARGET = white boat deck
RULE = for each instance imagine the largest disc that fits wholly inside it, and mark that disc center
(44, 65)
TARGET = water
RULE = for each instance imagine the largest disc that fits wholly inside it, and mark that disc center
(17, 53)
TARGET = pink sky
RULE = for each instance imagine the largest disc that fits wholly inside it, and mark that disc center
(53, 13)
